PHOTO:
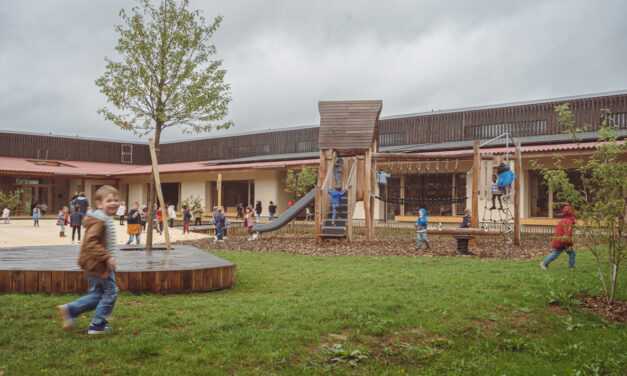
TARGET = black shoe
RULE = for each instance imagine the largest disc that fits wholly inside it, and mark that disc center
(492, 208)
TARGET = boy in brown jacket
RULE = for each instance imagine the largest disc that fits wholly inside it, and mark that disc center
(95, 258)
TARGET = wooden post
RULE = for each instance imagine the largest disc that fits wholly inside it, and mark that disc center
(367, 201)
(164, 210)
(322, 172)
(219, 184)
(475, 190)
(83, 185)
(518, 168)
(402, 209)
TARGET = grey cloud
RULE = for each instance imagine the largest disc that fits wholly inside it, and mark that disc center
(284, 56)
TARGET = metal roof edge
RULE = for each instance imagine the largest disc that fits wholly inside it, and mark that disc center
(503, 105)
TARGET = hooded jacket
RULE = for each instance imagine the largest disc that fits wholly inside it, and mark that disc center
(506, 176)
(422, 222)
(564, 230)
(94, 253)
(82, 204)
(336, 196)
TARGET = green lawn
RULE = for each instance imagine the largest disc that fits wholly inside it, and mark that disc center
(405, 315)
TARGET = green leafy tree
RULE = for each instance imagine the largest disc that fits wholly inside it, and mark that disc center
(600, 200)
(165, 75)
(299, 183)
(11, 200)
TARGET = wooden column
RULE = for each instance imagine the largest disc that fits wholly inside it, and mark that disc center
(322, 172)
(475, 190)
(164, 209)
(219, 189)
(402, 208)
(518, 168)
(454, 195)
(83, 185)
(367, 200)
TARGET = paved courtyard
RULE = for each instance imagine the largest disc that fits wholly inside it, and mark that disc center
(22, 233)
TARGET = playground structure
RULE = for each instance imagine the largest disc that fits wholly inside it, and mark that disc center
(349, 129)
(349, 138)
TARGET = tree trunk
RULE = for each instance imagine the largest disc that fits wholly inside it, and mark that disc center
(152, 199)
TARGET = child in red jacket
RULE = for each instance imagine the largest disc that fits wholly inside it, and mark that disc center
(563, 239)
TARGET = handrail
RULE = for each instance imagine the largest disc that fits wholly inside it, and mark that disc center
(329, 172)
(349, 182)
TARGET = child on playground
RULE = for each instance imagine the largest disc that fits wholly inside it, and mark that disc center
(336, 197)
(96, 260)
(62, 221)
(187, 216)
(171, 214)
(198, 215)
(258, 210)
(421, 229)
(271, 210)
(36, 216)
(144, 217)
(5, 216)
(158, 219)
(219, 226)
(496, 192)
(133, 224)
(76, 221)
(505, 179)
(562, 240)
(250, 221)
(121, 212)
(466, 219)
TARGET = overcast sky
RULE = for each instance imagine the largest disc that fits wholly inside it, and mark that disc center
(282, 57)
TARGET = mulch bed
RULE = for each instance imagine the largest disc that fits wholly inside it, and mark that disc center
(615, 312)
(305, 244)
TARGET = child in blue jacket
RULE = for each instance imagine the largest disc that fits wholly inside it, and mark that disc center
(421, 229)
(506, 178)
(336, 196)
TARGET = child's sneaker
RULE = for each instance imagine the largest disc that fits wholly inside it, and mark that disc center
(65, 317)
(543, 265)
(98, 329)
(72, 241)
(215, 238)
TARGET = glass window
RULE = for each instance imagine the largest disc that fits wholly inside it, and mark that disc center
(539, 192)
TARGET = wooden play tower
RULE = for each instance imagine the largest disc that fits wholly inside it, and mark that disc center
(350, 130)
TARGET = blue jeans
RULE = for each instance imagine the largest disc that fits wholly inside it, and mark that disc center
(421, 236)
(271, 216)
(334, 208)
(258, 217)
(337, 178)
(130, 238)
(102, 295)
(220, 232)
(557, 252)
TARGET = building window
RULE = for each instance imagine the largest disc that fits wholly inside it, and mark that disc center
(618, 120)
(517, 129)
(305, 146)
(127, 153)
(389, 139)
(539, 193)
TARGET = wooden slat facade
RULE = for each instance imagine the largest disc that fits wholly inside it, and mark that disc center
(348, 125)
(520, 120)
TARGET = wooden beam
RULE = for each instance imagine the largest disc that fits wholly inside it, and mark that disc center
(421, 156)
(475, 189)
(367, 201)
(463, 231)
(219, 187)
(518, 168)
(164, 210)
(322, 172)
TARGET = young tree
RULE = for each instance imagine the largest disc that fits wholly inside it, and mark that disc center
(601, 200)
(11, 200)
(165, 76)
(301, 182)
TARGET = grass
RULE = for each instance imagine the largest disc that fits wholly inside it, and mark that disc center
(386, 315)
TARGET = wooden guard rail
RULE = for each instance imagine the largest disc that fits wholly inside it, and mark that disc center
(351, 186)
(326, 184)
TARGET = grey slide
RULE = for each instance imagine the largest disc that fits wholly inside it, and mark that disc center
(288, 215)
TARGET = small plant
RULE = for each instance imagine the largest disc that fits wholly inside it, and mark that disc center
(11, 200)
(341, 355)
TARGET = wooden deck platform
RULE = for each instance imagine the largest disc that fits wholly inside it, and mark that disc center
(54, 269)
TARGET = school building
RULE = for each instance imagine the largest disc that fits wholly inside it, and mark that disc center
(253, 165)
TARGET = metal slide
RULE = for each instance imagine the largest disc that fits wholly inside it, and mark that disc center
(288, 215)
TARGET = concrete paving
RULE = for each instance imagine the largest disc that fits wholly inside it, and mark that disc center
(21, 232)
